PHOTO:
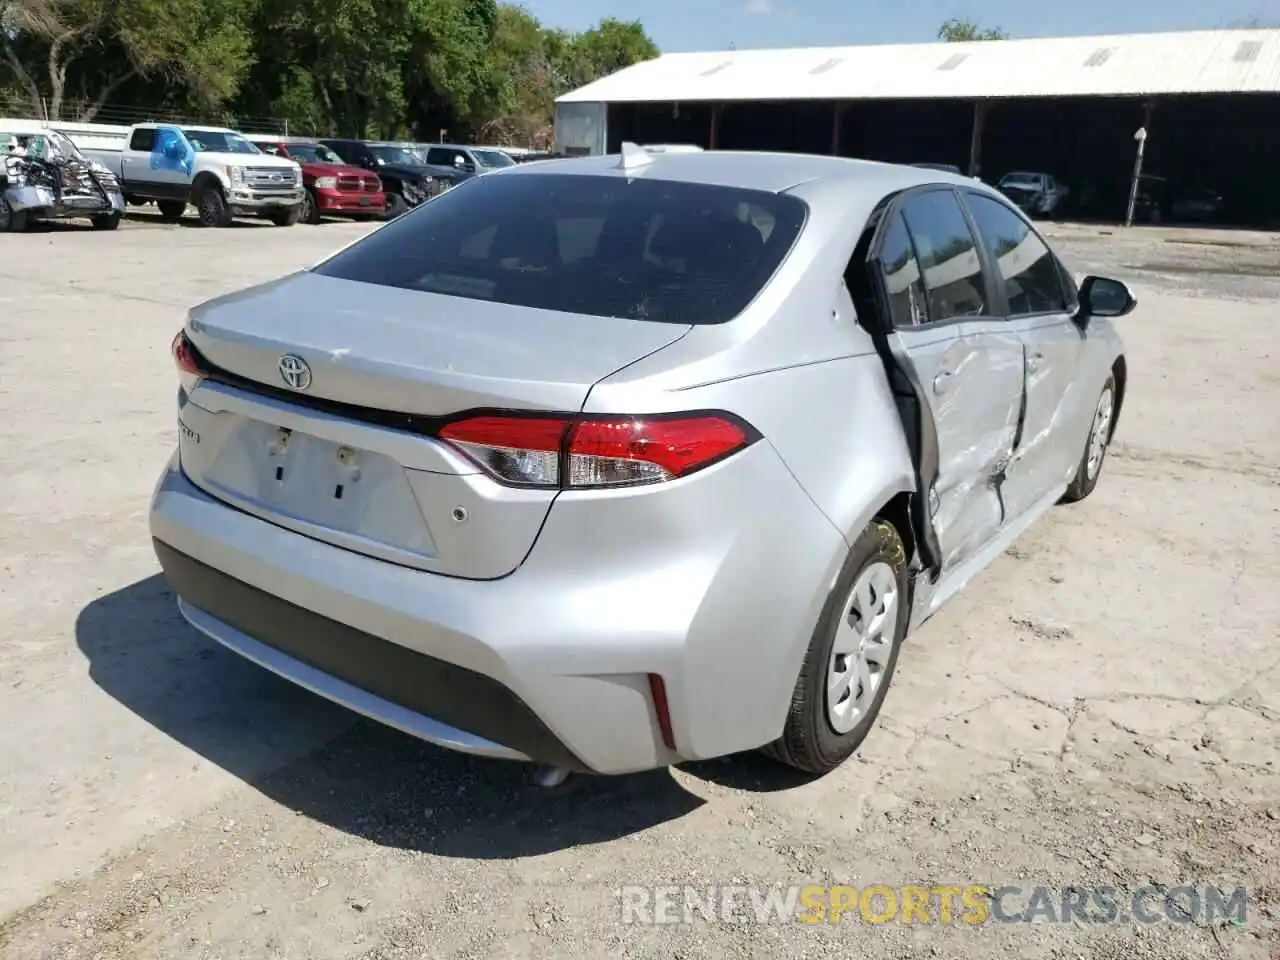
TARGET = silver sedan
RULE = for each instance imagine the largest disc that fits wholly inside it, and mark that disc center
(623, 461)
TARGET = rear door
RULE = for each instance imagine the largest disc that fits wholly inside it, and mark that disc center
(966, 365)
(1040, 301)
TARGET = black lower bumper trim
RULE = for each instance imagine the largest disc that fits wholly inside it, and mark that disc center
(445, 692)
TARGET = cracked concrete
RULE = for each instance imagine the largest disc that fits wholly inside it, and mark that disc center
(1100, 707)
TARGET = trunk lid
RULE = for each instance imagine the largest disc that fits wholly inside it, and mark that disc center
(301, 460)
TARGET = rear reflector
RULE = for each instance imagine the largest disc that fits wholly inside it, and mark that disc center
(587, 452)
(658, 691)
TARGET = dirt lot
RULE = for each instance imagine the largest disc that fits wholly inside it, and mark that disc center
(1102, 707)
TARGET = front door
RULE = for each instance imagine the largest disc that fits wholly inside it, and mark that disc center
(966, 364)
(1041, 303)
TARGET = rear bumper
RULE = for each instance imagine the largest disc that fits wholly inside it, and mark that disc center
(336, 203)
(552, 662)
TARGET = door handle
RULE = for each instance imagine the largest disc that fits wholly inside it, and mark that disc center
(1035, 361)
(942, 382)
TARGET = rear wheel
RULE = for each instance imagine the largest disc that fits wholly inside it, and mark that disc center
(212, 208)
(1095, 448)
(851, 657)
(171, 211)
(107, 221)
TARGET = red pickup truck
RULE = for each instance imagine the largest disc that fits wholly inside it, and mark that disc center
(334, 189)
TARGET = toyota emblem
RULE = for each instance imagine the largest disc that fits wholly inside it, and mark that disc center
(294, 372)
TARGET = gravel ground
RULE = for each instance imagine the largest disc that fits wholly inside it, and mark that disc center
(1101, 707)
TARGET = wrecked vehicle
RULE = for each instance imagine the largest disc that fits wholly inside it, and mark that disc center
(44, 176)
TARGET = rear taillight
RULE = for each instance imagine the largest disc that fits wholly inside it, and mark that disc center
(184, 355)
(586, 452)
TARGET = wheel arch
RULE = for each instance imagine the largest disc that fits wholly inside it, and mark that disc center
(205, 179)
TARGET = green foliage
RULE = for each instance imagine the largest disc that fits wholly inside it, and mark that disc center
(962, 31)
(376, 68)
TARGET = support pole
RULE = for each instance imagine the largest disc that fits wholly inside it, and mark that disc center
(1141, 136)
(975, 138)
(714, 138)
(837, 122)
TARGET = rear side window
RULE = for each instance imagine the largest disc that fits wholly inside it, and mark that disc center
(948, 255)
(598, 245)
(144, 139)
(1026, 268)
(901, 273)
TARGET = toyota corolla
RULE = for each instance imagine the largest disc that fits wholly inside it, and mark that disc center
(623, 461)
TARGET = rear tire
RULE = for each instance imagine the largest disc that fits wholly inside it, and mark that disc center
(212, 208)
(1095, 446)
(108, 221)
(171, 211)
(853, 652)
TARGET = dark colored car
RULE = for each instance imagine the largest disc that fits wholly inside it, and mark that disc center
(1199, 205)
(405, 180)
(334, 188)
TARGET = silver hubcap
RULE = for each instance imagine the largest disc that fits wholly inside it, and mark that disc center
(1100, 434)
(864, 642)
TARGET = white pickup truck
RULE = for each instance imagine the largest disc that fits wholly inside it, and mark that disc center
(215, 170)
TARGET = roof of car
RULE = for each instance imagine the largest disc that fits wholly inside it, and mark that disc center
(774, 172)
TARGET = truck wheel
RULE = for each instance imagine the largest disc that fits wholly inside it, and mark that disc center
(310, 209)
(107, 221)
(212, 208)
(171, 211)
(11, 220)
(286, 216)
(395, 205)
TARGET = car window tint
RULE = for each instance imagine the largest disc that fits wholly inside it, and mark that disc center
(440, 157)
(1024, 265)
(901, 272)
(604, 246)
(144, 139)
(948, 256)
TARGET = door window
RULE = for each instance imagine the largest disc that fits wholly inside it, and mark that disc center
(947, 255)
(901, 273)
(438, 156)
(143, 139)
(1024, 265)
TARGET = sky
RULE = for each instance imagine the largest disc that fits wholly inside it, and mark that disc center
(680, 25)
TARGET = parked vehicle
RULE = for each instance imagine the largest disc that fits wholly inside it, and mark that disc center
(1151, 201)
(406, 181)
(612, 471)
(1039, 194)
(44, 176)
(1199, 205)
(465, 159)
(940, 167)
(215, 170)
(333, 188)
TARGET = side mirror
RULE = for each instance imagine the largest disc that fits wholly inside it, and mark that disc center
(1104, 297)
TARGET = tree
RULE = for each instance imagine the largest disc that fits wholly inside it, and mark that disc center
(956, 30)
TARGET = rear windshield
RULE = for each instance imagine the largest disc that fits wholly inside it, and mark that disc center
(605, 246)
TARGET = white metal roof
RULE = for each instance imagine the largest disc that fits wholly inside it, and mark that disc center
(1207, 61)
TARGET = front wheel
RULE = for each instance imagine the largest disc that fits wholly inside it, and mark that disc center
(851, 657)
(106, 221)
(11, 220)
(1095, 448)
(171, 211)
(396, 205)
(212, 208)
(286, 216)
(310, 209)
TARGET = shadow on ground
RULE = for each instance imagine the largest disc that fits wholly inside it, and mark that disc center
(189, 219)
(354, 775)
